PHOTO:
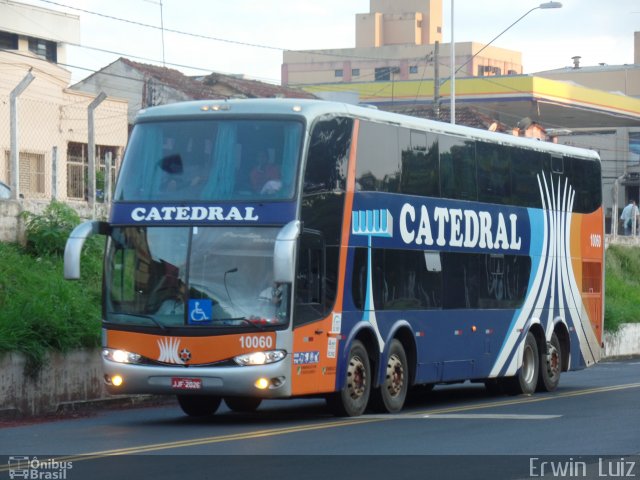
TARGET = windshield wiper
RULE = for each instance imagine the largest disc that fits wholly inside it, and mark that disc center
(244, 320)
(140, 315)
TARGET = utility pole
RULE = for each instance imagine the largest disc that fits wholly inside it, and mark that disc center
(13, 119)
(436, 80)
(92, 152)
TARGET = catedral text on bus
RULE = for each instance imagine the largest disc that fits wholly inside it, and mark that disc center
(262, 249)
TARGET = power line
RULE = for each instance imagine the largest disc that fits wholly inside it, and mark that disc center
(155, 27)
(326, 52)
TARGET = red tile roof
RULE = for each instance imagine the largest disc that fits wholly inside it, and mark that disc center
(215, 85)
(467, 116)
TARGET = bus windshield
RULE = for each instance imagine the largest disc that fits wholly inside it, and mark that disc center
(222, 159)
(193, 277)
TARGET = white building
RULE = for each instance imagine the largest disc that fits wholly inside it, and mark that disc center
(50, 117)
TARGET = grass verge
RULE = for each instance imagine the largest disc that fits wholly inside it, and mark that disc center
(622, 286)
(39, 310)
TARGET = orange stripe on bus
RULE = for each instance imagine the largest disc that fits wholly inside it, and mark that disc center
(346, 219)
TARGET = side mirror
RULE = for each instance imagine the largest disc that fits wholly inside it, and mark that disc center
(73, 248)
(284, 253)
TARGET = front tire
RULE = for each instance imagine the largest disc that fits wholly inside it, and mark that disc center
(525, 381)
(391, 395)
(243, 404)
(550, 366)
(199, 405)
(352, 399)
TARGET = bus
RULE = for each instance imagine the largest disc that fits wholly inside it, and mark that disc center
(274, 248)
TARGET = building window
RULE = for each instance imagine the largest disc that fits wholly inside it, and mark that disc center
(44, 49)
(355, 72)
(78, 169)
(419, 23)
(8, 41)
(439, 29)
(383, 74)
(31, 172)
(413, 69)
(339, 73)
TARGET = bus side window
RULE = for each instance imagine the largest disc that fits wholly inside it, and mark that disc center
(310, 283)
(458, 169)
(526, 166)
(494, 173)
(420, 163)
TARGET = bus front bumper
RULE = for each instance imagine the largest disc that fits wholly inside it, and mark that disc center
(266, 381)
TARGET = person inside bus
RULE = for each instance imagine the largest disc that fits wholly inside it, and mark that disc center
(265, 175)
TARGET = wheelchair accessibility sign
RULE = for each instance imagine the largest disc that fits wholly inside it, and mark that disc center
(200, 311)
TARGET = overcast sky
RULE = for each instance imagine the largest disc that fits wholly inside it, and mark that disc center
(248, 36)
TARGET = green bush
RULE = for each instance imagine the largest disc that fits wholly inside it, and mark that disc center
(39, 310)
(47, 233)
(622, 286)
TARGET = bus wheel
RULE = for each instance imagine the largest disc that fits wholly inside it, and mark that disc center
(199, 405)
(526, 379)
(550, 366)
(243, 404)
(392, 393)
(352, 400)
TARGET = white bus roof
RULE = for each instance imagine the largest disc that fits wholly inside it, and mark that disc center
(311, 109)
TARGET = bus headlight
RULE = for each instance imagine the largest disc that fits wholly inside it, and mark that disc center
(260, 358)
(120, 356)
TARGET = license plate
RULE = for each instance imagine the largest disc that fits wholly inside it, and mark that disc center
(180, 383)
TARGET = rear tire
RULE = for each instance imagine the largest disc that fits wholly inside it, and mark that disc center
(243, 404)
(550, 366)
(352, 399)
(391, 395)
(525, 381)
(199, 405)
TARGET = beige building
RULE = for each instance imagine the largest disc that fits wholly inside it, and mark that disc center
(396, 41)
(623, 79)
(51, 120)
(394, 22)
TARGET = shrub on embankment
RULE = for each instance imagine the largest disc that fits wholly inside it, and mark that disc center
(39, 310)
(622, 286)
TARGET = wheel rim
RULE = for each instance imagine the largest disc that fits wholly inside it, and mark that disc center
(356, 378)
(553, 361)
(528, 365)
(395, 375)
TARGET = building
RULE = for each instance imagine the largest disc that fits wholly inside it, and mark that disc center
(144, 85)
(624, 79)
(51, 120)
(396, 41)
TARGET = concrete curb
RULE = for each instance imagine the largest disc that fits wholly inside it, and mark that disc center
(624, 343)
(73, 382)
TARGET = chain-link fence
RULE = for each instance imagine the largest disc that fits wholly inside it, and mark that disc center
(52, 132)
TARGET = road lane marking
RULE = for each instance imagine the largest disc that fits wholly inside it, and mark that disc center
(531, 399)
(333, 424)
(208, 440)
(464, 416)
(490, 416)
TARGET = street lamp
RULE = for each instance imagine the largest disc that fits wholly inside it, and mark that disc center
(542, 6)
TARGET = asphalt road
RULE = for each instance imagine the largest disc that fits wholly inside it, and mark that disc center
(456, 431)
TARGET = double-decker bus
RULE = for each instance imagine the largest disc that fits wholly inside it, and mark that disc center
(261, 249)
